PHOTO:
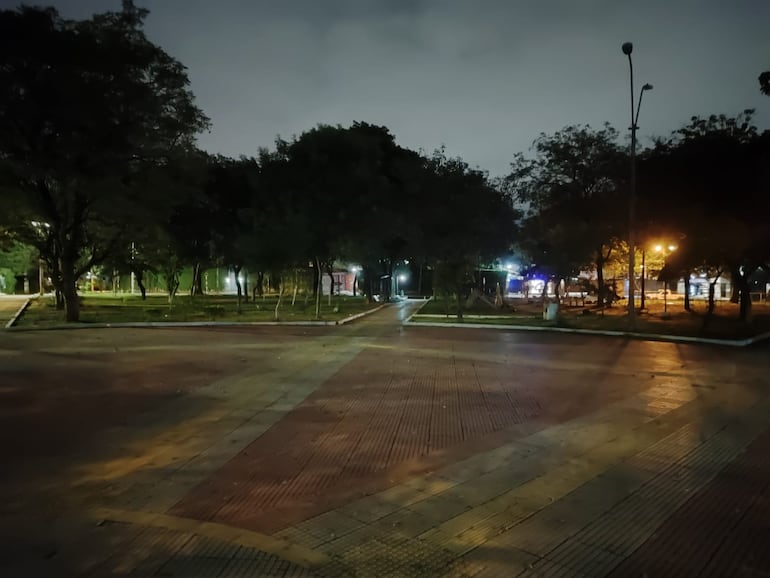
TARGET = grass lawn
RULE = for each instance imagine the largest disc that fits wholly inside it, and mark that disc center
(110, 308)
(438, 306)
(723, 325)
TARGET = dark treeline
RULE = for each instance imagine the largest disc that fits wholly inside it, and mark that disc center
(705, 189)
(98, 166)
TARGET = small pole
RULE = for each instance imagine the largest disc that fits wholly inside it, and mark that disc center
(644, 274)
(132, 272)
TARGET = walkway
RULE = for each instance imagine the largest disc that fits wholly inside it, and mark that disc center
(378, 450)
(9, 305)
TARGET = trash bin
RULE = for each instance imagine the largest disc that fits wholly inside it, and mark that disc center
(550, 311)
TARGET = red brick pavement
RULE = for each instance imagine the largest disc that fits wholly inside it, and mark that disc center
(722, 530)
(51, 406)
(381, 419)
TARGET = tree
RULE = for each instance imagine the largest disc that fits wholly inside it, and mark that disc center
(572, 189)
(466, 221)
(710, 183)
(87, 110)
(716, 128)
(229, 190)
(15, 259)
(388, 218)
(353, 194)
(279, 225)
(764, 83)
(338, 181)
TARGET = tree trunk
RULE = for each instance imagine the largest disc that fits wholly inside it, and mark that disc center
(687, 306)
(238, 287)
(172, 283)
(355, 283)
(557, 294)
(318, 288)
(712, 288)
(246, 285)
(278, 303)
(57, 284)
(419, 279)
(70, 293)
(389, 285)
(316, 274)
(139, 276)
(331, 283)
(745, 300)
(741, 281)
(600, 276)
(745, 305)
(296, 287)
(368, 285)
(260, 284)
(192, 283)
(196, 288)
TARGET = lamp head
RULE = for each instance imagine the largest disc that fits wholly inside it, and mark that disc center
(628, 48)
(647, 86)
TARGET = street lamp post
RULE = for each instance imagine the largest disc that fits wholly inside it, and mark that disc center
(627, 50)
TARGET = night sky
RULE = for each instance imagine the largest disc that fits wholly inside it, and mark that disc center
(482, 77)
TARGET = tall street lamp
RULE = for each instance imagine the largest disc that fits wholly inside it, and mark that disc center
(627, 50)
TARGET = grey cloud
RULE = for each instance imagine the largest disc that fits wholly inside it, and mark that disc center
(484, 77)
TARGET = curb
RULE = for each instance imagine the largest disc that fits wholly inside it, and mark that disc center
(362, 314)
(169, 324)
(18, 313)
(409, 319)
(631, 334)
(173, 324)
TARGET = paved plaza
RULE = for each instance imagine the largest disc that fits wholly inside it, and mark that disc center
(378, 449)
